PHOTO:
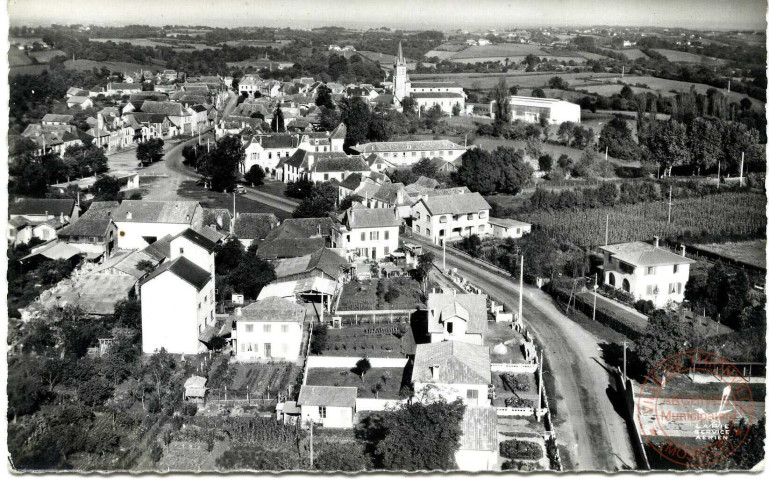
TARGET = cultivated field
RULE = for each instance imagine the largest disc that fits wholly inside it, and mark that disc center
(150, 42)
(390, 380)
(517, 77)
(87, 65)
(686, 57)
(631, 53)
(751, 253)
(376, 340)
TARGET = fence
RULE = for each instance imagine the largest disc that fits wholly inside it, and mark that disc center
(515, 411)
(349, 362)
(627, 390)
(376, 404)
(514, 367)
(351, 317)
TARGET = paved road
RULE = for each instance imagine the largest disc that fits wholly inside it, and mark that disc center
(593, 432)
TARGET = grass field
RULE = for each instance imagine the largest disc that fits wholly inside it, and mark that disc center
(149, 42)
(112, 66)
(686, 57)
(392, 340)
(752, 252)
(631, 53)
(667, 87)
(517, 77)
(390, 379)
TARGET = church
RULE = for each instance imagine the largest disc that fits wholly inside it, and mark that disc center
(446, 95)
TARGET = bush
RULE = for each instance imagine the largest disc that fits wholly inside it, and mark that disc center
(520, 466)
(156, 452)
(520, 449)
(644, 306)
(189, 409)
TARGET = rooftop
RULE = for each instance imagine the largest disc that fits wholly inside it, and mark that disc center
(184, 269)
(641, 254)
(471, 307)
(292, 288)
(479, 429)
(458, 362)
(369, 218)
(272, 309)
(455, 204)
(198, 239)
(254, 226)
(418, 95)
(508, 222)
(325, 260)
(328, 396)
(144, 211)
(41, 206)
(409, 145)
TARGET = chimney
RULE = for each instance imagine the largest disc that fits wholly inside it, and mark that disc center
(100, 121)
(238, 311)
(683, 250)
(128, 216)
(61, 217)
(220, 221)
(656, 241)
(436, 370)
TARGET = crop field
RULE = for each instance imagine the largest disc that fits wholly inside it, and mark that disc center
(87, 65)
(263, 379)
(686, 57)
(149, 42)
(713, 215)
(523, 79)
(377, 340)
(631, 53)
(751, 253)
(664, 86)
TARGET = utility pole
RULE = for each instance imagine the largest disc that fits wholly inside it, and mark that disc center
(312, 459)
(670, 203)
(595, 295)
(444, 255)
(606, 236)
(624, 362)
(742, 163)
(520, 296)
(541, 366)
(606, 155)
(729, 86)
(718, 180)
(234, 215)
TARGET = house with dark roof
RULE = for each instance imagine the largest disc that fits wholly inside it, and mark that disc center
(328, 406)
(252, 228)
(94, 233)
(178, 304)
(54, 119)
(142, 222)
(452, 370)
(268, 329)
(296, 237)
(458, 317)
(646, 271)
(43, 209)
(117, 88)
(176, 112)
(450, 217)
(367, 232)
(267, 151)
(81, 102)
(324, 263)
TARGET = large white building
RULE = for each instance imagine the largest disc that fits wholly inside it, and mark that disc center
(178, 299)
(267, 151)
(450, 217)
(533, 110)
(269, 329)
(142, 222)
(407, 153)
(646, 271)
(445, 95)
(367, 233)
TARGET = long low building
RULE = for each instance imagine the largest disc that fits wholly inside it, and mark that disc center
(533, 110)
(409, 152)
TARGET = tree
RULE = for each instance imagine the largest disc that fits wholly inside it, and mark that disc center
(425, 167)
(348, 201)
(355, 114)
(668, 145)
(145, 266)
(94, 391)
(76, 331)
(301, 188)
(320, 203)
(128, 314)
(85, 160)
(150, 151)
(409, 105)
(617, 137)
(499, 96)
(626, 92)
(538, 93)
(583, 137)
(26, 391)
(255, 176)
(223, 162)
(534, 147)
(251, 275)
(665, 335)
(228, 255)
(319, 338)
(351, 458)
(422, 272)
(362, 367)
(456, 110)
(545, 163)
(106, 189)
(705, 143)
(558, 83)
(278, 123)
(323, 98)
(192, 155)
(475, 172)
(472, 245)
(421, 436)
(566, 132)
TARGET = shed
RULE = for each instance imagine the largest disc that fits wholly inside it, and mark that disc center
(195, 388)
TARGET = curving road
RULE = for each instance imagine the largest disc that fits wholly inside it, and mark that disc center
(592, 431)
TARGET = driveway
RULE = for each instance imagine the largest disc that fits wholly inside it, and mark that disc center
(588, 426)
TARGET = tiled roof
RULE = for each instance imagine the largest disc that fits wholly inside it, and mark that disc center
(469, 306)
(91, 224)
(302, 228)
(144, 117)
(455, 204)
(339, 133)
(254, 226)
(52, 117)
(144, 211)
(126, 262)
(148, 96)
(39, 206)
(407, 146)
(641, 254)
(328, 396)
(125, 86)
(77, 99)
(161, 249)
(458, 362)
(435, 85)
(198, 239)
(167, 108)
(479, 429)
(292, 288)
(289, 247)
(324, 259)
(388, 193)
(184, 269)
(418, 95)
(272, 309)
(278, 140)
(300, 158)
(508, 222)
(370, 218)
(352, 181)
(353, 163)
(221, 217)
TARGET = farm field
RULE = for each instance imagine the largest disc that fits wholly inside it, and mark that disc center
(112, 66)
(631, 53)
(555, 150)
(391, 380)
(713, 215)
(752, 252)
(686, 57)
(263, 379)
(149, 42)
(393, 340)
(515, 77)
(364, 295)
(666, 87)
(254, 43)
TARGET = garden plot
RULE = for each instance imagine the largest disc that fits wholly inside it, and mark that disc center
(517, 390)
(384, 383)
(264, 380)
(381, 294)
(392, 340)
(502, 333)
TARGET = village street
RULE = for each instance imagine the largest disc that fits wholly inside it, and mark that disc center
(589, 428)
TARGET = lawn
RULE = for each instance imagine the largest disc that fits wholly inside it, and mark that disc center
(210, 199)
(686, 57)
(751, 252)
(497, 333)
(391, 380)
(393, 340)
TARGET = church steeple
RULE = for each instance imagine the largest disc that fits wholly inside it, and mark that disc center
(400, 60)
(400, 77)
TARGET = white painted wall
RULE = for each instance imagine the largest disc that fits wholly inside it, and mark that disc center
(336, 417)
(430, 226)
(475, 460)
(642, 283)
(130, 233)
(284, 345)
(324, 361)
(432, 391)
(384, 240)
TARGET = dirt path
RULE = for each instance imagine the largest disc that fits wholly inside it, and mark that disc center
(592, 431)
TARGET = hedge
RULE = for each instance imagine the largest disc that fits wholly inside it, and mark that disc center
(520, 449)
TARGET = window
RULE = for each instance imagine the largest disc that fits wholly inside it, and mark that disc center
(373, 235)
(472, 394)
(322, 412)
(249, 328)
(429, 218)
(671, 288)
(269, 155)
(517, 231)
(650, 289)
(443, 219)
(469, 216)
(181, 251)
(387, 235)
(449, 327)
(325, 176)
(198, 305)
(386, 251)
(481, 228)
(482, 214)
(675, 268)
(441, 232)
(419, 229)
(428, 232)
(205, 299)
(650, 270)
(284, 328)
(413, 154)
(363, 236)
(267, 328)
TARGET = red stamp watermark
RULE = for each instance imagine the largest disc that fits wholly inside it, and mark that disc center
(692, 404)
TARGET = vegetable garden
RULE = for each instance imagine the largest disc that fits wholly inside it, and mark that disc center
(727, 215)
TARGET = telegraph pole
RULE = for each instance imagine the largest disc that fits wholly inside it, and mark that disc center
(606, 236)
(312, 460)
(520, 296)
(718, 180)
(595, 295)
(444, 255)
(742, 163)
(624, 362)
(670, 203)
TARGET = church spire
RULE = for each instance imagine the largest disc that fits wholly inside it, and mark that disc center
(400, 54)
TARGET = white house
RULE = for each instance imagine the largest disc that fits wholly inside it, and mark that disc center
(456, 317)
(508, 228)
(533, 109)
(177, 306)
(267, 151)
(409, 152)
(370, 233)
(269, 329)
(646, 271)
(330, 407)
(194, 247)
(452, 370)
(142, 222)
(479, 443)
(450, 217)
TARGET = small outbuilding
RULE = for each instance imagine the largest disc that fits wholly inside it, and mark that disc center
(195, 389)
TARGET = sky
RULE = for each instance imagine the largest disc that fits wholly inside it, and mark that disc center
(411, 14)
